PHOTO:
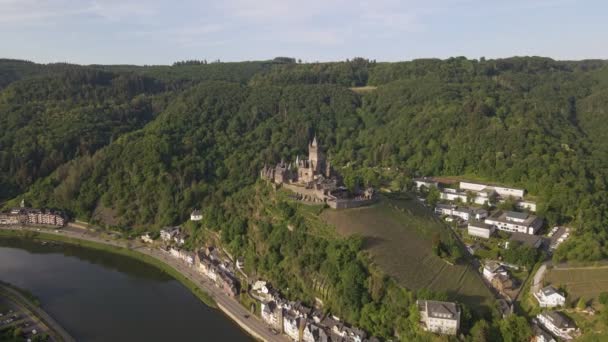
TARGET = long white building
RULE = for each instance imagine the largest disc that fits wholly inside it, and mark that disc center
(502, 191)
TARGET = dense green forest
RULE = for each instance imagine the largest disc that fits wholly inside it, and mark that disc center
(134, 147)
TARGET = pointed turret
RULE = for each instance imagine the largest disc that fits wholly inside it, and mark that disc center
(23, 203)
(314, 142)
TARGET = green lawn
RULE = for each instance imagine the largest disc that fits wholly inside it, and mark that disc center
(398, 234)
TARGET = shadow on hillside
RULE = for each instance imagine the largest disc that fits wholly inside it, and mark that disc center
(479, 304)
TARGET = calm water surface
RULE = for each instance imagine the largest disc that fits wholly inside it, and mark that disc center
(99, 296)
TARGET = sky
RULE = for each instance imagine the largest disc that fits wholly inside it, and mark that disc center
(162, 32)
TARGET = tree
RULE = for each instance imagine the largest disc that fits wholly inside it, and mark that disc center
(480, 332)
(433, 196)
(515, 329)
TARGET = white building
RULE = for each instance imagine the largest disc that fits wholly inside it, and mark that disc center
(549, 297)
(146, 238)
(464, 213)
(480, 229)
(502, 191)
(529, 205)
(291, 326)
(512, 221)
(314, 333)
(455, 195)
(272, 314)
(493, 269)
(439, 317)
(196, 215)
(557, 323)
(425, 182)
(167, 234)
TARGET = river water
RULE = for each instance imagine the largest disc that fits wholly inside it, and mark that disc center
(100, 296)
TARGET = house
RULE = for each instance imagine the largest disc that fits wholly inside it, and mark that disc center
(196, 215)
(458, 195)
(291, 325)
(314, 333)
(549, 297)
(439, 317)
(207, 266)
(425, 182)
(9, 219)
(228, 283)
(480, 229)
(180, 238)
(502, 282)
(512, 221)
(146, 238)
(272, 314)
(492, 269)
(261, 287)
(532, 241)
(168, 233)
(557, 323)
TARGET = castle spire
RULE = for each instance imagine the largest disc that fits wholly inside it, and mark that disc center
(314, 141)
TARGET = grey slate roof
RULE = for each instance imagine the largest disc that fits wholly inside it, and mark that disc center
(560, 320)
(517, 215)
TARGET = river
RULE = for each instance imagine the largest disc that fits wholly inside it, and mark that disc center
(100, 296)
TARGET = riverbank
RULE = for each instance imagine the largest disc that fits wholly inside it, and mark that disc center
(125, 251)
(196, 282)
(16, 296)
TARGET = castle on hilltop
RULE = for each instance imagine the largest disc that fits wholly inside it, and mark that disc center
(314, 181)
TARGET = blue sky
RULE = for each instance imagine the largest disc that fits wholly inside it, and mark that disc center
(161, 32)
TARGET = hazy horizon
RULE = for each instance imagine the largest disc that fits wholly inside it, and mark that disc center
(159, 32)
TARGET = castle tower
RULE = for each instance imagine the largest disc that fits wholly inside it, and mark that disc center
(315, 155)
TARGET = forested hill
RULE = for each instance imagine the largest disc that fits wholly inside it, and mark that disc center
(143, 145)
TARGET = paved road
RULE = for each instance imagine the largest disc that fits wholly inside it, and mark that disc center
(538, 277)
(253, 324)
(55, 329)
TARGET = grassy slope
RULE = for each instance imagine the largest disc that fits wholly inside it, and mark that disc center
(398, 235)
(204, 297)
(585, 282)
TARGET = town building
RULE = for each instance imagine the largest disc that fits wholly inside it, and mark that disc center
(439, 317)
(167, 234)
(458, 195)
(9, 219)
(549, 297)
(272, 314)
(526, 205)
(425, 183)
(196, 215)
(557, 323)
(492, 269)
(480, 229)
(314, 333)
(314, 181)
(146, 238)
(464, 213)
(502, 191)
(512, 221)
(291, 325)
(532, 241)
